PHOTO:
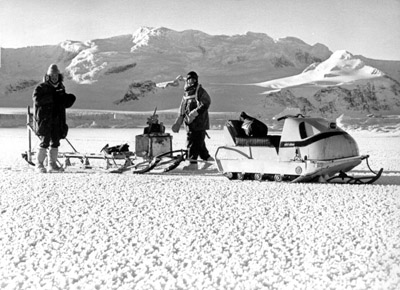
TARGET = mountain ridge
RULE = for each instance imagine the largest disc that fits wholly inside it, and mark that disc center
(101, 71)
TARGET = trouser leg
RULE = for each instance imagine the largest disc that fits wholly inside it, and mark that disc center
(195, 143)
(196, 146)
(44, 141)
(204, 154)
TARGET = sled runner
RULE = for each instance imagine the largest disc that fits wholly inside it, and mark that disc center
(307, 150)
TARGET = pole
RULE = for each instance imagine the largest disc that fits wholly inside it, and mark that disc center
(28, 121)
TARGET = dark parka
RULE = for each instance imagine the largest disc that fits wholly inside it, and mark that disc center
(49, 105)
(201, 102)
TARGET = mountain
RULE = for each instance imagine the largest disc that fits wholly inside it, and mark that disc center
(342, 84)
(341, 68)
(141, 71)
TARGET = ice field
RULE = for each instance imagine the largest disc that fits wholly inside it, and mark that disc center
(195, 231)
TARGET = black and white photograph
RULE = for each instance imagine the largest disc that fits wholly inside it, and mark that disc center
(231, 144)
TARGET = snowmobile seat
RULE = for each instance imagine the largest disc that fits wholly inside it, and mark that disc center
(235, 129)
(267, 141)
(240, 138)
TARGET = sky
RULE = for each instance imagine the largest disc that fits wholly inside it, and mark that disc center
(367, 27)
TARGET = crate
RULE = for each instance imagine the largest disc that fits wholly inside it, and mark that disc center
(150, 145)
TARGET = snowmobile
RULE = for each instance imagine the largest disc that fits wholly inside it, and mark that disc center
(306, 150)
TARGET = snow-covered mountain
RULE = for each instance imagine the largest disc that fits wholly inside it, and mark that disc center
(157, 53)
(140, 71)
(341, 84)
(341, 68)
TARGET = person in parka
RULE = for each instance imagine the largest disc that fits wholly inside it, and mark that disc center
(49, 120)
(193, 112)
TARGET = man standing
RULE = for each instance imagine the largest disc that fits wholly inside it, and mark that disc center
(49, 102)
(193, 111)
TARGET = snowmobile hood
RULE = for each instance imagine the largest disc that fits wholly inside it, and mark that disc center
(316, 139)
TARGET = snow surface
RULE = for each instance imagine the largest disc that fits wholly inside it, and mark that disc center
(195, 231)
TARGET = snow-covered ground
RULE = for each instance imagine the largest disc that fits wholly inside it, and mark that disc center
(195, 231)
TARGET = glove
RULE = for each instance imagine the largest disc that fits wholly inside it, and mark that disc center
(192, 115)
(177, 125)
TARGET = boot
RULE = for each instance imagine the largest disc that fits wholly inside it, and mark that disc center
(41, 156)
(209, 159)
(208, 163)
(53, 163)
(191, 166)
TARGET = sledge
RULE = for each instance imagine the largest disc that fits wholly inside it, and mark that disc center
(153, 150)
(306, 150)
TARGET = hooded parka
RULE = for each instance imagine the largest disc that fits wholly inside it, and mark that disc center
(199, 102)
(49, 104)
